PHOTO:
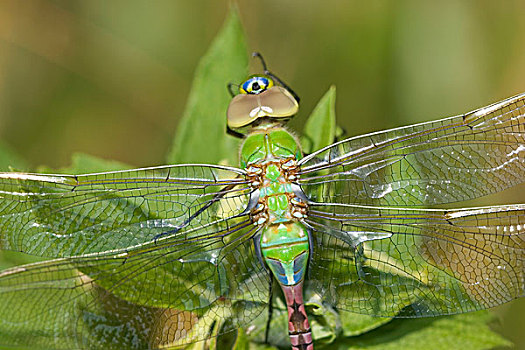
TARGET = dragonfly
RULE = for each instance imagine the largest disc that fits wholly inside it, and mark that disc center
(168, 256)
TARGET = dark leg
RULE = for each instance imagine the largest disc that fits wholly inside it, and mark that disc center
(234, 133)
(230, 85)
(275, 77)
(263, 63)
(359, 257)
(270, 310)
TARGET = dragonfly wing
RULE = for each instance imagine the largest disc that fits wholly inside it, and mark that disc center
(437, 162)
(415, 262)
(158, 295)
(70, 215)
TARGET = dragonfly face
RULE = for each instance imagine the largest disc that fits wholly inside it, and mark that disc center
(260, 102)
(171, 255)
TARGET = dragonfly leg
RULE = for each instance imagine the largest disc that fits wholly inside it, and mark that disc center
(310, 247)
(230, 85)
(270, 74)
(257, 246)
(234, 133)
(270, 308)
(359, 258)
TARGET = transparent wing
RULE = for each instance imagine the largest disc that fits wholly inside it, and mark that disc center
(70, 215)
(438, 162)
(412, 263)
(157, 295)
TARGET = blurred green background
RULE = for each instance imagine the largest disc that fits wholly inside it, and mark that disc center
(110, 78)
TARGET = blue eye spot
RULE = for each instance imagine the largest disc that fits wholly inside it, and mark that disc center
(255, 85)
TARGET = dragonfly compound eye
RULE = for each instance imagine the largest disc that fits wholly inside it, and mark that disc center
(256, 84)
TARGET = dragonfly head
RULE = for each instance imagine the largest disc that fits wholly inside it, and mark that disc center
(260, 101)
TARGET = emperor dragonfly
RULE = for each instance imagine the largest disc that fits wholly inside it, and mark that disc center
(167, 256)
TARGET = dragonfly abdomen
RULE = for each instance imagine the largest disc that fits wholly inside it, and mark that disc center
(285, 248)
(298, 325)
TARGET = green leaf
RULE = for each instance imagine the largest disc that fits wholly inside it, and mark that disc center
(467, 332)
(324, 320)
(242, 341)
(356, 324)
(320, 127)
(200, 134)
(10, 259)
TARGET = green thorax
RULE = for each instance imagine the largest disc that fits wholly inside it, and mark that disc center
(269, 143)
(271, 153)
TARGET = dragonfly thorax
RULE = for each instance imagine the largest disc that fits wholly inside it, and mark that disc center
(269, 157)
(279, 200)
